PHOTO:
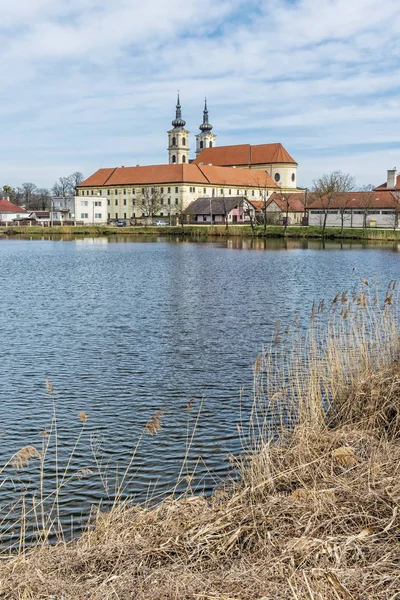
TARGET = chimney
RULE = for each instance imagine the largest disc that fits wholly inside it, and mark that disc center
(391, 177)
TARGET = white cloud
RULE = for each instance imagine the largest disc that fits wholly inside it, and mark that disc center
(89, 81)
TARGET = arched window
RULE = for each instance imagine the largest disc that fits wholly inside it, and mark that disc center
(210, 145)
(293, 176)
(183, 141)
(174, 141)
(201, 144)
(173, 158)
(183, 158)
(277, 177)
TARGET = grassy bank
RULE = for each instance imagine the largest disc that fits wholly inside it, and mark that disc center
(314, 513)
(209, 231)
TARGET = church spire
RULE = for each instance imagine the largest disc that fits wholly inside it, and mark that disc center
(178, 122)
(205, 126)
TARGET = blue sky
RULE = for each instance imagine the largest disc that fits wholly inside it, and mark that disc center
(92, 83)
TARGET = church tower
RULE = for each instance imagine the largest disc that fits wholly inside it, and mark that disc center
(205, 139)
(178, 139)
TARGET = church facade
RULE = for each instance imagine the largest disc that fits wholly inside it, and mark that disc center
(165, 191)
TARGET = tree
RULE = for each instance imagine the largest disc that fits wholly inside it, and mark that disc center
(63, 186)
(328, 187)
(76, 178)
(28, 191)
(367, 203)
(9, 193)
(249, 211)
(151, 200)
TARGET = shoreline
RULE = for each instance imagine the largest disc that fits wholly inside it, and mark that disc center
(207, 231)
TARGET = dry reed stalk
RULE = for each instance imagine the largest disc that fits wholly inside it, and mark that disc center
(314, 515)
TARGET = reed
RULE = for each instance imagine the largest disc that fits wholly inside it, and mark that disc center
(314, 513)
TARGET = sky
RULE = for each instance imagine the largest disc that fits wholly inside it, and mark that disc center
(93, 83)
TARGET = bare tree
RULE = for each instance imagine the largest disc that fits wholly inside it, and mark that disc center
(249, 211)
(327, 188)
(368, 201)
(151, 199)
(63, 186)
(28, 191)
(76, 178)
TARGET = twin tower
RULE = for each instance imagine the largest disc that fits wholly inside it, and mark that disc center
(178, 137)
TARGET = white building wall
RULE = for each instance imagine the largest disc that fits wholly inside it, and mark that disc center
(91, 210)
(379, 218)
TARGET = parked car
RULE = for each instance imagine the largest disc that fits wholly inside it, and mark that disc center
(121, 223)
(160, 223)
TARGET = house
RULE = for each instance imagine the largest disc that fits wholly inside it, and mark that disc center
(209, 210)
(392, 183)
(356, 209)
(279, 207)
(10, 212)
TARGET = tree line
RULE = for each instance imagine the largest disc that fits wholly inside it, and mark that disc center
(35, 198)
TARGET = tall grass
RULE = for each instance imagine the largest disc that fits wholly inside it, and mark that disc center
(314, 513)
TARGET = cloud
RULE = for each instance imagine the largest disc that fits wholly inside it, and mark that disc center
(91, 82)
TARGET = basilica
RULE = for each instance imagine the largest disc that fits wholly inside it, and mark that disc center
(165, 190)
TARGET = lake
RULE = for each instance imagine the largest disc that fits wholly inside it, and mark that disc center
(125, 327)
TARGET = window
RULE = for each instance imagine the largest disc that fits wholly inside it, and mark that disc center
(84, 216)
(176, 201)
(109, 216)
(161, 214)
(222, 192)
(176, 190)
(173, 158)
(84, 203)
(124, 201)
(230, 192)
(252, 192)
(142, 190)
(210, 145)
(237, 192)
(204, 190)
(133, 202)
(183, 141)
(92, 192)
(125, 192)
(293, 176)
(161, 201)
(115, 192)
(87, 193)
(183, 158)
(201, 144)
(174, 141)
(162, 190)
(277, 177)
(116, 215)
(124, 215)
(97, 215)
(108, 192)
(169, 200)
(133, 191)
(97, 203)
(169, 190)
(116, 201)
(108, 202)
(100, 192)
(204, 218)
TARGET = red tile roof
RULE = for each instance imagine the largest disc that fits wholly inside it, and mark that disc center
(384, 186)
(356, 200)
(173, 173)
(245, 155)
(294, 200)
(8, 207)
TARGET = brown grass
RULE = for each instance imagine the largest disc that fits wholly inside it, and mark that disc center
(314, 515)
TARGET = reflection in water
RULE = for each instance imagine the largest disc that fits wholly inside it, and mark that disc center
(123, 328)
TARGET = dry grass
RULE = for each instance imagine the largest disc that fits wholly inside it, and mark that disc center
(314, 515)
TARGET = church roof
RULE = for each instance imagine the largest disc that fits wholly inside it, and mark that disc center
(245, 154)
(179, 173)
(385, 187)
(8, 207)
